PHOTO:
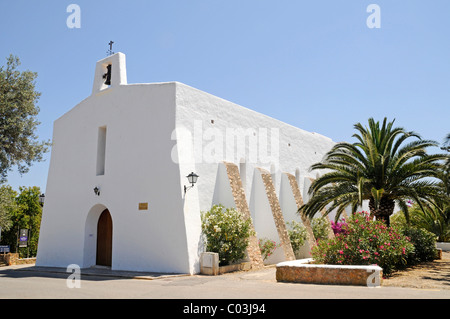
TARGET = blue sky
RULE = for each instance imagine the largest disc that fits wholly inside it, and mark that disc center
(313, 64)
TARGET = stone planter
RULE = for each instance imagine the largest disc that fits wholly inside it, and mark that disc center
(304, 271)
(235, 267)
(209, 265)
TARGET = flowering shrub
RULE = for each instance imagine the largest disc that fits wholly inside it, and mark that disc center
(297, 235)
(226, 233)
(338, 227)
(319, 227)
(365, 242)
(267, 247)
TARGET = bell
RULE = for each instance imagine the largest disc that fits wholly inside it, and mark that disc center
(107, 75)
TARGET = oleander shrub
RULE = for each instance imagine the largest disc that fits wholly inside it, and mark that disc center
(227, 233)
(297, 235)
(423, 239)
(364, 241)
(267, 247)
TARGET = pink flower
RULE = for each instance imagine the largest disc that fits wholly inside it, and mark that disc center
(341, 252)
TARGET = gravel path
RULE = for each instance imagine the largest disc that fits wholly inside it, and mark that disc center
(430, 275)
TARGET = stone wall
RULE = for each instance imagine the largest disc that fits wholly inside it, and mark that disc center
(13, 259)
(299, 201)
(277, 215)
(253, 250)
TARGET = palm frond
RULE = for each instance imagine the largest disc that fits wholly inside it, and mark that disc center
(383, 164)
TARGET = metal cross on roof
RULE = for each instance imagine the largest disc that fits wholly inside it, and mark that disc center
(110, 52)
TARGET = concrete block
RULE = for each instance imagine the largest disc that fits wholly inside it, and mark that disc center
(209, 263)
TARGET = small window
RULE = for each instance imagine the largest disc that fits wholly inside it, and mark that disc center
(101, 150)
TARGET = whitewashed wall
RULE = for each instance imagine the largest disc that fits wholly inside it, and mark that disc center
(205, 120)
(151, 147)
(138, 168)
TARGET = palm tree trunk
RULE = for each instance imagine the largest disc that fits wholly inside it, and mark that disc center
(384, 210)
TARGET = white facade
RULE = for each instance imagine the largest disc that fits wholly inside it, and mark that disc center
(137, 143)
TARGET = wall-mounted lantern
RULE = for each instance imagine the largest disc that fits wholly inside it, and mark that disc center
(97, 191)
(41, 199)
(192, 178)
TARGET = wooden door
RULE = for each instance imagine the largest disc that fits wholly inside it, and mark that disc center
(104, 239)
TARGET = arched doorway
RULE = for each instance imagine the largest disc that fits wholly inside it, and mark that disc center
(104, 239)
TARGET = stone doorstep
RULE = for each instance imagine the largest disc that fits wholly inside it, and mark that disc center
(303, 271)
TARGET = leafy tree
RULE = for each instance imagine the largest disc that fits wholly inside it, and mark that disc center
(7, 206)
(18, 111)
(26, 215)
(381, 168)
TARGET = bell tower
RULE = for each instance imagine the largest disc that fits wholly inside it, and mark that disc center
(110, 72)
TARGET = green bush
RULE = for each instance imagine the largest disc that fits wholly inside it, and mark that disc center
(424, 245)
(423, 239)
(297, 235)
(320, 227)
(432, 220)
(227, 233)
(365, 242)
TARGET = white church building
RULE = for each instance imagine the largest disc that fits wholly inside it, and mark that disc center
(117, 193)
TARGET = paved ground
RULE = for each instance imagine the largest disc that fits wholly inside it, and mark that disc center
(25, 282)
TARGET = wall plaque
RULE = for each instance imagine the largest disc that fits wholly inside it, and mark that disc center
(143, 206)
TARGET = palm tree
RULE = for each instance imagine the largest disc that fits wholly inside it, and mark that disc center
(434, 219)
(446, 147)
(381, 168)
